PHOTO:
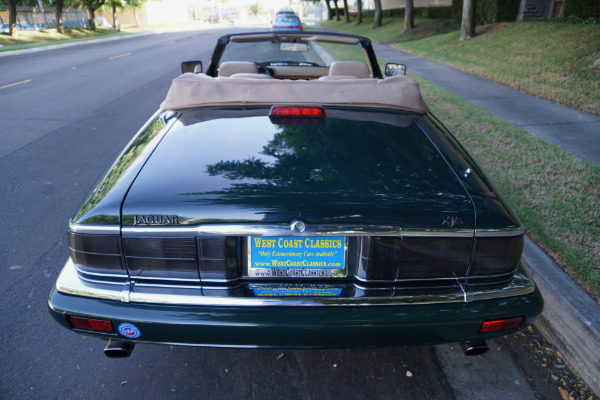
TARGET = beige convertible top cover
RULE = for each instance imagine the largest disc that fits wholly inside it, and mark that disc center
(195, 90)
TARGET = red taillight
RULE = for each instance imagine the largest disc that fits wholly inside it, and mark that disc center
(500, 324)
(98, 325)
(282, 115)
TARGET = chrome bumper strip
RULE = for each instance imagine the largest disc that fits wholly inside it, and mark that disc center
(69, 282)
(283, 230)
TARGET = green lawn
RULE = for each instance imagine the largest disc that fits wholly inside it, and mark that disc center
(552, 60)
(391, 28)
(28, 39)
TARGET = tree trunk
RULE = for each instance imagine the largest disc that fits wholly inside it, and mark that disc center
(92, 12)
(346, 13)
(43, 11)
(137, 21)
(360, 12)
(114, 15)
(337, 10)
(12, 18)
(59, 9)
(377, 19)
(329, 12)
(409, 15)
(467, 26)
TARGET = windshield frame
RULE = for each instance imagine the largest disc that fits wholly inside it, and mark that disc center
(302, 37)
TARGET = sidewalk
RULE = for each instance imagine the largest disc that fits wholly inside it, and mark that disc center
(571, 318)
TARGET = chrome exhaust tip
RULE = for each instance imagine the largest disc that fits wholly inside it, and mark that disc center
(116, 349)
(474, 348)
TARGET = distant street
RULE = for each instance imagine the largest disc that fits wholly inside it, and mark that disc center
(65, 115)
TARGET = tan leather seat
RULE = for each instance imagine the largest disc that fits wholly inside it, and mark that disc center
(245, 75)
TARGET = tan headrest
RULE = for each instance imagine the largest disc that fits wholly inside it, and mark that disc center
(229, 68)
(356, 69)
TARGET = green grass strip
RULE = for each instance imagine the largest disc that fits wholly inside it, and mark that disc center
(554, 59)
(49, 37)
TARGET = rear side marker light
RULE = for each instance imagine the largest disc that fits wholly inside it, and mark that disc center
(297, 115)
(98, 325)
(501, 324)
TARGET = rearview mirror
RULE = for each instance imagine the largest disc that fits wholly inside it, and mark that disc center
(393, 69)
(293, 47)
(194, 67)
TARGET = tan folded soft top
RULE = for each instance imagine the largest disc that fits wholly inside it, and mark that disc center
(196, 90)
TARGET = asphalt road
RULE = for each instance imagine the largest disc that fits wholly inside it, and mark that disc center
(65, 115)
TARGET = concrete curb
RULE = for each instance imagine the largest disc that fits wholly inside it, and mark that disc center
(571, 318)
(71, 44)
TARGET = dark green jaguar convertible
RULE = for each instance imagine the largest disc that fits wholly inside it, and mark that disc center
(287, 198)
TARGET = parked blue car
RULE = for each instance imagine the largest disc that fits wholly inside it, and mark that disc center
(287, 23)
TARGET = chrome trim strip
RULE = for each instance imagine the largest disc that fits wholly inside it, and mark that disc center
(220, 280)
(158, 258)
(521, 284)
(136, 279)
(284, 230)
(95, 229)
(102, 282)
(69, 282)
(160, 285)
(392, 281)
(506, 232)
(466, 233)
(125, 293)
(100, 274)
(294, 302)
(463, 291)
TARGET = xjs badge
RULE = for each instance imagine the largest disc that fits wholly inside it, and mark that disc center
(452, 221)
(155, 220)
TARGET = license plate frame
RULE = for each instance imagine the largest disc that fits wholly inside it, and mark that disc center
(306, 257)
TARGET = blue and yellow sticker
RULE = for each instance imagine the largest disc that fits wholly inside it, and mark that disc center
(297, 257)
(129, 330)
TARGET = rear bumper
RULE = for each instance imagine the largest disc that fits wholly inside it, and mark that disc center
(253, 322)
